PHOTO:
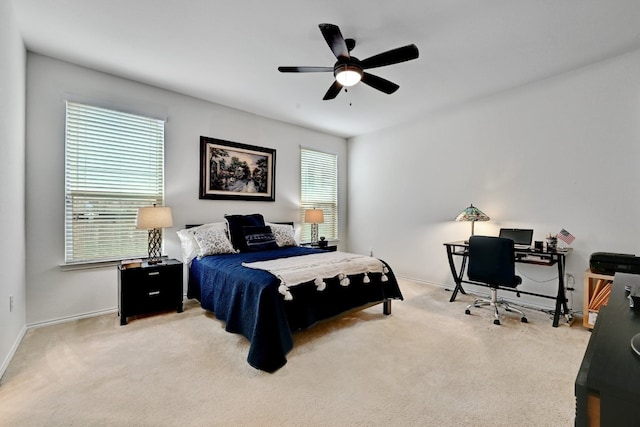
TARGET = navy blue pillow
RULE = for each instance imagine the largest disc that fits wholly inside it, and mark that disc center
(236, 228)
(259, 239)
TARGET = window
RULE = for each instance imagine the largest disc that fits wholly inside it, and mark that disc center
(113, 165)
(319, 190)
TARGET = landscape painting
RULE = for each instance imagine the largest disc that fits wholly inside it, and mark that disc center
(231, 170)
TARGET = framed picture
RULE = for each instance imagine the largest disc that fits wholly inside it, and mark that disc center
(235, 171)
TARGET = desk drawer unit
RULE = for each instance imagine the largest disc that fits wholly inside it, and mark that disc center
(149, 289)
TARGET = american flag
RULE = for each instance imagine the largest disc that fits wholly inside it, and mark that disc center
(565, 236)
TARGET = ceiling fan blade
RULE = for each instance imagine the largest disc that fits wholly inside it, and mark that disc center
(379, 83)
(333, 36)
(333, 91)
(304, 69)
(394, 56)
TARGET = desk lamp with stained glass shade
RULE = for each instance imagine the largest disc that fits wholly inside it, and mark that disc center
(472, 214)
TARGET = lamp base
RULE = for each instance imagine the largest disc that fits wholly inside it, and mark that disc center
(155, 245)
(466, 242)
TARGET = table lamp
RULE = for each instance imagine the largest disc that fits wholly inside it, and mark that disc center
(154, 219)
(472, 214)
(314, 217)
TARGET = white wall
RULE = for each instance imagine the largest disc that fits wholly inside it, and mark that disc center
(54, 294)
(561, 153)
(12, 184)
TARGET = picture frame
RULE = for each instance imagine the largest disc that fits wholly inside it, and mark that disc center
(235, 171)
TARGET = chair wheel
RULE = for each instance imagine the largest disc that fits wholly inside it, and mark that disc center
(496, 322)
(524, 320)
(467, 311)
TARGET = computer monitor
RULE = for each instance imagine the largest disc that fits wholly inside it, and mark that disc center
(520, 236)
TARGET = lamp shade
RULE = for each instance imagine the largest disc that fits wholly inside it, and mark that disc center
(314, 216)
(472, 214)
(154, 217)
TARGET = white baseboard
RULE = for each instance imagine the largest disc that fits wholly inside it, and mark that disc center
(422, 281)
(515, 301)
(79, 316)
(71, 318)
(14, 348)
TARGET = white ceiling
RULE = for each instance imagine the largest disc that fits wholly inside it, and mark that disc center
(228, 52)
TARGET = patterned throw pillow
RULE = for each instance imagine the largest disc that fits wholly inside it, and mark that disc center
(284, 233)
(259, 239)
(190, 247)
(213, 241)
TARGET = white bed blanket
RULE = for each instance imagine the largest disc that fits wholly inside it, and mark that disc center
(317, 267)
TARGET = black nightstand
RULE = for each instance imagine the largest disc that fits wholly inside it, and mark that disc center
(329, 247)
(149, 288)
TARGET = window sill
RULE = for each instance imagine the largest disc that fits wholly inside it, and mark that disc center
(90, 265)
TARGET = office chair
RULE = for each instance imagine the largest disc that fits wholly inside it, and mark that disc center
(492, 261)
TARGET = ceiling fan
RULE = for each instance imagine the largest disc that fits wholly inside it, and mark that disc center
(349, 70)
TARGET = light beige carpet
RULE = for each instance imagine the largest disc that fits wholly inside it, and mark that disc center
(428, 364)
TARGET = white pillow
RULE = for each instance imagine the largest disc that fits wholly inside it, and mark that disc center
(213, 241)
(284, 233)
(190, 247)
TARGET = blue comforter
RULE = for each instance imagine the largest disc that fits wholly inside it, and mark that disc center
(248, 301)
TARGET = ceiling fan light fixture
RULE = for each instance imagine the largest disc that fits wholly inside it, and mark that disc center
(348, 74)
(349, 70)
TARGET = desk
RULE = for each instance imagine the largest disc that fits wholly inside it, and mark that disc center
(524, 256)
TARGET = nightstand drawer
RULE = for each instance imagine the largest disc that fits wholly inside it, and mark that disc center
(149, 289)
(152, 293)
(152, 276)
(332, 247)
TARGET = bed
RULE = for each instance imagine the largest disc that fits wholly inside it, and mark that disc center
(257, 297)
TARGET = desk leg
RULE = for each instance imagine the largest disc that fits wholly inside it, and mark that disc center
(457, 276)
(561, 298)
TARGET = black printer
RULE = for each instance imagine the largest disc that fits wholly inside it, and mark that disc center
(610, 263)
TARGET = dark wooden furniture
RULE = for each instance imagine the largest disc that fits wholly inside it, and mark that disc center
(329, 247)
(149, 289)
(607, 387)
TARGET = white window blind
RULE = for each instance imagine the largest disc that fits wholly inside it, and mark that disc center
(319, 190)
(113, 165)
